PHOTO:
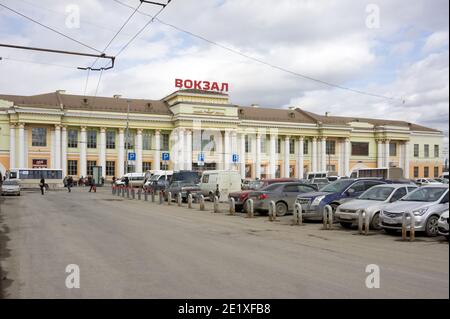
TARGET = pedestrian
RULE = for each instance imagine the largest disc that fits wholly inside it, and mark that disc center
(127, 181)
(217, 191)
(69, 184)
(93, 186)
(42, 184)
(114, 180)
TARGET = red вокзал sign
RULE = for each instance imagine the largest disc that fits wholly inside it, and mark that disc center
(201, 85)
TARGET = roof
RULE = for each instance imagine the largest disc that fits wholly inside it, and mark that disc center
(275, 115)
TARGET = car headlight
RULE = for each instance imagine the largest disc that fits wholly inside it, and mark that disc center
(317, 200)
(420, 212)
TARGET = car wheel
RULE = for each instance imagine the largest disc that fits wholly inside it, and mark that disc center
(431, 228)
(281, 209)
(375, 224)
(390, 231)
(346, 225)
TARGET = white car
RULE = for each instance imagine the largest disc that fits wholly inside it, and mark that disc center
(427, 181)
(11, 187)
(443, 225)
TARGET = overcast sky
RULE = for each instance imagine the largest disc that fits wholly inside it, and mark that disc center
(402, 54)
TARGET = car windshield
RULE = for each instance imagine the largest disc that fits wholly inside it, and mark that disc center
(10, 183)
(377, 193)
(337, 186)
(425, 194)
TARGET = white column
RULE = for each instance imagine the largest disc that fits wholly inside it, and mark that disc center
(12, 146)
(387, 154)
(314, 155)
(157, 153)
(64, 150)
(287, 152)
(174, 152)
(121, 155)
(406, 164)
(139, 151)
(242, 156)
(226, 151)
(181, 150)
(57, 147)
(258, 156)
(83, 150)
(272, 155)
(380, 160)
(188, 149)
(300, 158)
(323, 157)
(102, 151)
(52, 149)
(347, 152)
(22, 143)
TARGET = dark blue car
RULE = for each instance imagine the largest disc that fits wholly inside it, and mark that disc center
(333, 194)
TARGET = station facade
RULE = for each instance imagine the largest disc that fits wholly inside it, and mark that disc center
(202, 130)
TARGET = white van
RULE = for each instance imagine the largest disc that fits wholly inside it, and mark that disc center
(228, 182)
(135, 180)
(159, 180)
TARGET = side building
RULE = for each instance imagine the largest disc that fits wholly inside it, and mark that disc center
(203, 130)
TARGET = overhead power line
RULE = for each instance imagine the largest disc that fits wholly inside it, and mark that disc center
(50, 28)
(39, 63)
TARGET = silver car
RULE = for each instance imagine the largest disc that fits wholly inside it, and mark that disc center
(372, 202)
(282, 194)
(11, 187)
(443, 225)
(427, 203)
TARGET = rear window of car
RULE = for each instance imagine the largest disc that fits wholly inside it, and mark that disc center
(10, 183)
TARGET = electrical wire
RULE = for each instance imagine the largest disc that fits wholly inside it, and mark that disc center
(39, 63)
(50, 28)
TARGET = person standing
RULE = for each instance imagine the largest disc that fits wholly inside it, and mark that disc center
(42, 184)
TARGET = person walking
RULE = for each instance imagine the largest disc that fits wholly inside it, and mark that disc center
(69, 184)
(93, 186)
(42, 184)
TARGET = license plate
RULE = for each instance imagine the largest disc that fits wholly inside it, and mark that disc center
(390, 221)
(346, 217)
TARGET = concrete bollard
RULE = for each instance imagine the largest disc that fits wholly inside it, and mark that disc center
(161, 197)
(202, 202)
(152, 195)
(133, 193)
(169, 198)
(216, 204)
(250, 208)
(128, 192)
(146, 195)
(139, 193)
(363, 220)
(179, 200)
(327, 217)
(298, 214)
(190, 200)
(113, 190)
(272, 211)
(412, 224)
(232, 206)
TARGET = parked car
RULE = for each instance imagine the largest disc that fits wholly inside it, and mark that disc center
(242, 196)
(372, 201)
(135, 180)
(225, 181)
(320, 182)
(443, 225)
(10, 187)
(183, 187)
(158, 182)
(185, 176)
(248, 184)
(427, 181)
(283, 194)
(333, 194)
(427, 203)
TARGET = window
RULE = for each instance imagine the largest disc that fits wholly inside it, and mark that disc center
(248, 144)
(91, 139)
(110, 140)
(426, 172)
(331, 147)
(436, 171)
(399, 193)
(436, 150)
(130, 140)
(147, 141)
(393, 149)
(39, 136)
(426, 150)
(110, 168)
(416, 150)
(291, 146)
(278, 146)
(360, 149)
(369, 184)
(208, 143)
(305, 147)
(165, 142)
(90, 166)
(146, 166)
(72, 138)
(72, 167)
(416, 171)
(358, 187)
(291, 189)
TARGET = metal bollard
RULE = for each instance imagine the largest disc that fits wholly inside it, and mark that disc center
(298, 214)
(327, 217)
(412, 224)
(232, 206)
(161, 197)
(179, 200)
(139, 193)
(272, 211)
(133, 193)
(128, 192)
(190, 200)
(146, 195)
(169, 198)
(250, 208)
(216, 204)
(202, 202)
(363, 219)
